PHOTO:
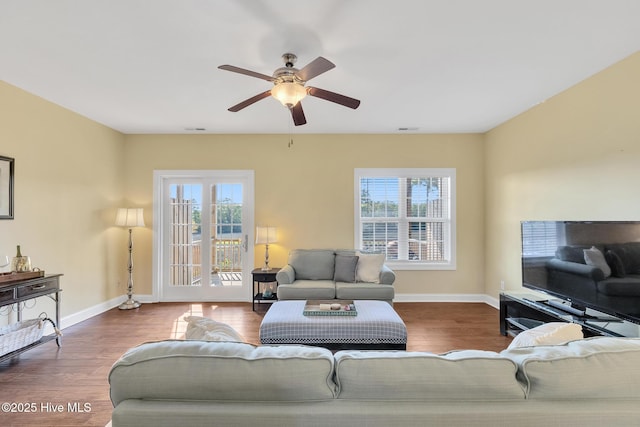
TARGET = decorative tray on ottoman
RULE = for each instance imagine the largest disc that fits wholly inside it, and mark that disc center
(330, 308)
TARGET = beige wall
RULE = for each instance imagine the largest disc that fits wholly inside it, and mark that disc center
(574, 157)
(307, 190)
(68, 182)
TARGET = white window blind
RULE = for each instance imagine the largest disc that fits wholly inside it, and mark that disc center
(539, 238)
(407, 214)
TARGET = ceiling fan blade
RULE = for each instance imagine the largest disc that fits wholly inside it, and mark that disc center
(315, 68)
(249, 101)
(298, 114)
(246, 72)
(333, 97)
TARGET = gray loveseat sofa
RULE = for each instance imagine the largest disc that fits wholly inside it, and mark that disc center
(592, 382)
(323, 274)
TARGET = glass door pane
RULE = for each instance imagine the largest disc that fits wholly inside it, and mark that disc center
(227, 234)
(185, 240)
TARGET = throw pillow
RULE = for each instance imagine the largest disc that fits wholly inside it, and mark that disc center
(202, 328)
(369, 267)
(595, 258)
(346, 268)
(571, 253)
(552, 333)
(616, 264)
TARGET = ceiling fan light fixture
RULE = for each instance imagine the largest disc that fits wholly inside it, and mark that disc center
(289, 94)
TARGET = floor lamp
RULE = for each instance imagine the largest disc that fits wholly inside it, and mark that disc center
(128, 217)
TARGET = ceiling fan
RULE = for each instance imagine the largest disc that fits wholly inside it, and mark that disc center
(289, 86)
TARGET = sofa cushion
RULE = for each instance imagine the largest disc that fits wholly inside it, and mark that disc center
(571, 253)
(364, 291)
(629, 254)
(346, 268)
(615, 263)
(463, 375)
(593, 368)
(307, 289)
(313, 264)
(548, 334)
(369, 267)
(223, 371)
(628, 286)
(594, 257)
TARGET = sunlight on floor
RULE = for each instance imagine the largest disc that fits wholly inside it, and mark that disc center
(180, 325)
(231, 314)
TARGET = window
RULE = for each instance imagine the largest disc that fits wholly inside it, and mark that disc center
(540, 238)
(407, 214)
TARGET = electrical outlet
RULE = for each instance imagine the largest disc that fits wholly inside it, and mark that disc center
(502, 285)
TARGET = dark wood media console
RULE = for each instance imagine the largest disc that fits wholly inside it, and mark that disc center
(520, 311)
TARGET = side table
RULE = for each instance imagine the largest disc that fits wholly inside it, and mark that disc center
(260, 276)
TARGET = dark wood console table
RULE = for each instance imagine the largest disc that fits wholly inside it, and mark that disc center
(19, 291)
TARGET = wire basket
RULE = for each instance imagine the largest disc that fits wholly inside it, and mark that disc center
(21, 334)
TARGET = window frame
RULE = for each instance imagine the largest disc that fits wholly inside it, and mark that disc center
(549, 233)
(403, 173)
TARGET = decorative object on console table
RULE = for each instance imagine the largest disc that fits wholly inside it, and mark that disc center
(20, 263)
(4, 262)
(130, 217)
(265, 236)
(6, 187)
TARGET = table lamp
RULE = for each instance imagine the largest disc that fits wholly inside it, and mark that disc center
(264, 236)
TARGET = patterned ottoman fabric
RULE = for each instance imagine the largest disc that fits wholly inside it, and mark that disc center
(376, 324)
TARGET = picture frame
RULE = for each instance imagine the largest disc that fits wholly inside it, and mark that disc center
(7, 165)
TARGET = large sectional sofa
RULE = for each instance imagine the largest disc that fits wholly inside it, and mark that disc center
(322, 274)
(591, 382)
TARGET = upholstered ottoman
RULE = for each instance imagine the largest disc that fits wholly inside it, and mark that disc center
(376, 326)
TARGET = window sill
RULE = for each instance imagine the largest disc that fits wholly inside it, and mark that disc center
(409, 265)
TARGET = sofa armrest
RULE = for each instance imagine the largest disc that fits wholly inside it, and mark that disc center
(286, 275)
(387, 276)
(584, 270)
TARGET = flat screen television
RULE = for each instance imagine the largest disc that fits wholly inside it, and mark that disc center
(553, 262)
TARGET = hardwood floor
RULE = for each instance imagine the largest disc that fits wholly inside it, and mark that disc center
(57, 383)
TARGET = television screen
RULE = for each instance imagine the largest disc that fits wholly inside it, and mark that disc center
(591, 264)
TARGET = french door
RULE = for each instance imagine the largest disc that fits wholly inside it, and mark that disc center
(203, 223)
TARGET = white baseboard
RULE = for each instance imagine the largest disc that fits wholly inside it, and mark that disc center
(145, 299)
(88, 313)
(447, 298)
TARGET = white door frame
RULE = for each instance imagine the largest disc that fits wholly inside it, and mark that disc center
(159, 179)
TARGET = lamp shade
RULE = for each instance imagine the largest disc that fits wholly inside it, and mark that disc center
(130, 217)
(266, 235)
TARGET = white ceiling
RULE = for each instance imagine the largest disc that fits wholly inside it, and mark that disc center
(434, 66)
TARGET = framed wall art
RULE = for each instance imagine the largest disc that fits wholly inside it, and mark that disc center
(6, 187)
